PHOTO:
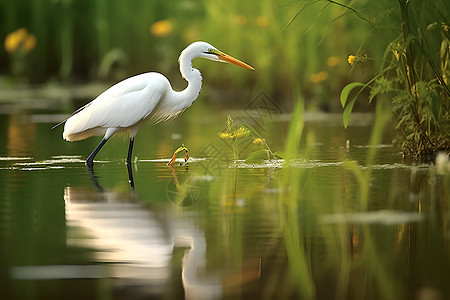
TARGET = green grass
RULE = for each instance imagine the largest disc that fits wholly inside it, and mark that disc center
(75, 37)
(295, 46)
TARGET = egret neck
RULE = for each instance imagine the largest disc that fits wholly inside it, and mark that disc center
(192, 76)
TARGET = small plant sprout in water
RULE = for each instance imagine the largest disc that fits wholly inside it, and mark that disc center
(245, 130)
(186, 157)
(233, 134)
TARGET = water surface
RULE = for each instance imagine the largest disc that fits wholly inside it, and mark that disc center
(328, 225)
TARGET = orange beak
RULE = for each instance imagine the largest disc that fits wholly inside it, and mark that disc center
(225, 57)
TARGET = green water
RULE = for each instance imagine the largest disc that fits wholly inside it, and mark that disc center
(327, 226)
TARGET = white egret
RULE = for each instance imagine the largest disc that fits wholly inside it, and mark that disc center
(129, 103)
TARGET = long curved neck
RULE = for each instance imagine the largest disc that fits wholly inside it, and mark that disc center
(174, 102)
(192, 76)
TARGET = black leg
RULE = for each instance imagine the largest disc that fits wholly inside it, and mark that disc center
(130, 175)
(130, 150)
(90, 159)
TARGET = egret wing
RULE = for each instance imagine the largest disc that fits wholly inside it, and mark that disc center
(123, 105)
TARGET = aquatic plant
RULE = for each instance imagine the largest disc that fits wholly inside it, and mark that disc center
(245, 130)
(233, 134)
(413, 78)
(413, 71)
(179, 149)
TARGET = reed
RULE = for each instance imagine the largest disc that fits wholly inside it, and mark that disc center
(76, 40)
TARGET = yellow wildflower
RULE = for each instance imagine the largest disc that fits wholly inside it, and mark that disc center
(258, 141)
(161, 28)
(13, 40)
(241, 132)
(318, 77)
(225, 135)
(230, 133)
(20, 40)
(30, 43)
(351, 59)
(359, 58)
(334, 61)
(261, 21)
(241, 20)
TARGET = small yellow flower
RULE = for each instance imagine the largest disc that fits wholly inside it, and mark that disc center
(161, 28)
(261, 21)
(351, 59)
(230, 133)
(258, 141)
(225, 135)
(241, 20)
(20, 40)
(241, 132)
(334, 61)
(359, 58)
(318, 77)
(30, 43)
(11, 43)
(14, 39)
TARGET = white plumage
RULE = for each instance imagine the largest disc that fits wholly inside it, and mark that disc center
(129, 103)
(121, 107)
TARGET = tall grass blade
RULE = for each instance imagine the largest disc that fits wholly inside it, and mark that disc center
(298, 12)
(295, 128)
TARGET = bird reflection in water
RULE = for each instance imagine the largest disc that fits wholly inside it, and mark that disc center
(139, 241)
(94, 178)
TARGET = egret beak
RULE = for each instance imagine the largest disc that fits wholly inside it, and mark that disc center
(225, 57)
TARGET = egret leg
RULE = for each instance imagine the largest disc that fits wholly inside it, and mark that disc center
(130, 175)
(130, 150)
(90, 159)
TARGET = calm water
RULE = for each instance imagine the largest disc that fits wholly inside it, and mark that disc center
(328, 226)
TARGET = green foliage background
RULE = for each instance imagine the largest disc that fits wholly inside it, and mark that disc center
(78, 39)
(401, 51)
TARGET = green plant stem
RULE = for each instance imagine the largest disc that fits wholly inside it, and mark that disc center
(270, 153)
(409, 54)
(353, 11)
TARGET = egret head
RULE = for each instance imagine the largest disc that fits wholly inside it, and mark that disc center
(208, 51)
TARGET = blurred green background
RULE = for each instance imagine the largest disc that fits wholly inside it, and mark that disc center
(295, 46)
